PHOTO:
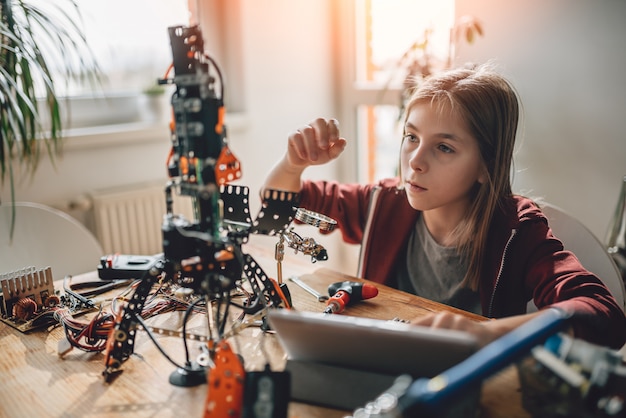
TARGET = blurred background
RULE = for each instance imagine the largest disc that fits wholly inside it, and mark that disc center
(286, 62)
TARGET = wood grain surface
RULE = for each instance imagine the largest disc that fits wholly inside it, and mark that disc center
(36, 381)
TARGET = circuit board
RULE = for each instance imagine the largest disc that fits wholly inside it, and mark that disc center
(27, 296)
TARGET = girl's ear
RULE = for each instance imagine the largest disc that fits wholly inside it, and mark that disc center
(482, 177)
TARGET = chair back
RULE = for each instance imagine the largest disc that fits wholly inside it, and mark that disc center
(592, 254)
(46, 237)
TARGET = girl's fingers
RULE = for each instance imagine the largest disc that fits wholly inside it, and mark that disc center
(316, 143)
(333, 131)
(447, 320)
(337, 148)
(310, 135)
(320, 127)
(297, 148)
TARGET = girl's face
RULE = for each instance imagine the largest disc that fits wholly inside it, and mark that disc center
(440, 161)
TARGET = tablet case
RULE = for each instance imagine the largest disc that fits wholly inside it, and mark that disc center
(342, 362)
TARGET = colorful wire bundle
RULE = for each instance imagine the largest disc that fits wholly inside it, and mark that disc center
(91, 336)
(86, 336)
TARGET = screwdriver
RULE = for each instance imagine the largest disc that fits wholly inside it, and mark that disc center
(347, 292)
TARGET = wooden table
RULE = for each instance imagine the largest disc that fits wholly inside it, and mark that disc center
(35, 381)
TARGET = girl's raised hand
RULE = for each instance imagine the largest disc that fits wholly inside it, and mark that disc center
(314, 144)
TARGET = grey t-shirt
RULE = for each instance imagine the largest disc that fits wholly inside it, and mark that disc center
(435, 272)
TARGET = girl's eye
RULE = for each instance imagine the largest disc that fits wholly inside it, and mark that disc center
(409, 137)
(445, 148)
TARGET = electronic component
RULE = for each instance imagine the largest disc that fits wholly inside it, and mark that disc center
(27, 295)
(567, 377)
(266, 394)
(322, 222)
(226, 384)
(29, 301)
(307, 246)
(123, 266)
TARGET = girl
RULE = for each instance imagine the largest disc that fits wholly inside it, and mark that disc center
(449, 227)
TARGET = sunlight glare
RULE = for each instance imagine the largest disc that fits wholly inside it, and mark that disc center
(396, 24)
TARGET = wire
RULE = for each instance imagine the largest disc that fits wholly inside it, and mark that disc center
(90, 336)
(82, 299)
(98, 287)
(219, 74)
(245, 293)
(167, 72)
(146, 328)
(185, 319)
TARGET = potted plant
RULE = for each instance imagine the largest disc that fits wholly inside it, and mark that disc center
(42, 44)
(154, 103)
(417, 62)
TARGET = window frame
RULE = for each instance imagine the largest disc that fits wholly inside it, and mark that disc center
(352, 93)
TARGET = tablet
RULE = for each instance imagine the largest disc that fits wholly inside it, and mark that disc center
(374, 345)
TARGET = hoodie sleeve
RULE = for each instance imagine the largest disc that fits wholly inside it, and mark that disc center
(345, 203)
(558, 279)
(535, 266)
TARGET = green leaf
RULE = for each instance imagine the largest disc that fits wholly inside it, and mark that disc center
(42, 43)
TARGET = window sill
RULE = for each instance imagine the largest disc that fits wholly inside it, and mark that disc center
(134, 133)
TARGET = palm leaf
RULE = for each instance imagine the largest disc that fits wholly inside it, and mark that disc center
(42, 43)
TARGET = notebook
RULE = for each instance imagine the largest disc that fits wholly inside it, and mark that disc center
(371, 345)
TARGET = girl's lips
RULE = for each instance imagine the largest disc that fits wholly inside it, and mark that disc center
(414, 186)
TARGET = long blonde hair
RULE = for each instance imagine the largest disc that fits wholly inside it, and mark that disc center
(489, 105)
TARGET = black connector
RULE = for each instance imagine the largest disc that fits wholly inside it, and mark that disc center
(124, 266)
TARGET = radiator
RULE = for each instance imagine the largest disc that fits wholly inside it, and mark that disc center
(127, 220)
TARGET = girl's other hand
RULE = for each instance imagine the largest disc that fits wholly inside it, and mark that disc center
(485, 332)
(448, 320)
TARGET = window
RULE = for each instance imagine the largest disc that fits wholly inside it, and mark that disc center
(385, 33)
(389, 43)
(130, 41)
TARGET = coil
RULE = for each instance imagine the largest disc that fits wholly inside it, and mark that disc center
(24, 309)
(323, 222)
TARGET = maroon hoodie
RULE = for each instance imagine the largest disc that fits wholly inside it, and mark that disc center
(523, 260)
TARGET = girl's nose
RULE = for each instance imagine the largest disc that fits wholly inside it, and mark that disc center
(418, 159)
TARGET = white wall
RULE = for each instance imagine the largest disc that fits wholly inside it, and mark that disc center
(288, 61)
(287, 78)
(567, 60)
